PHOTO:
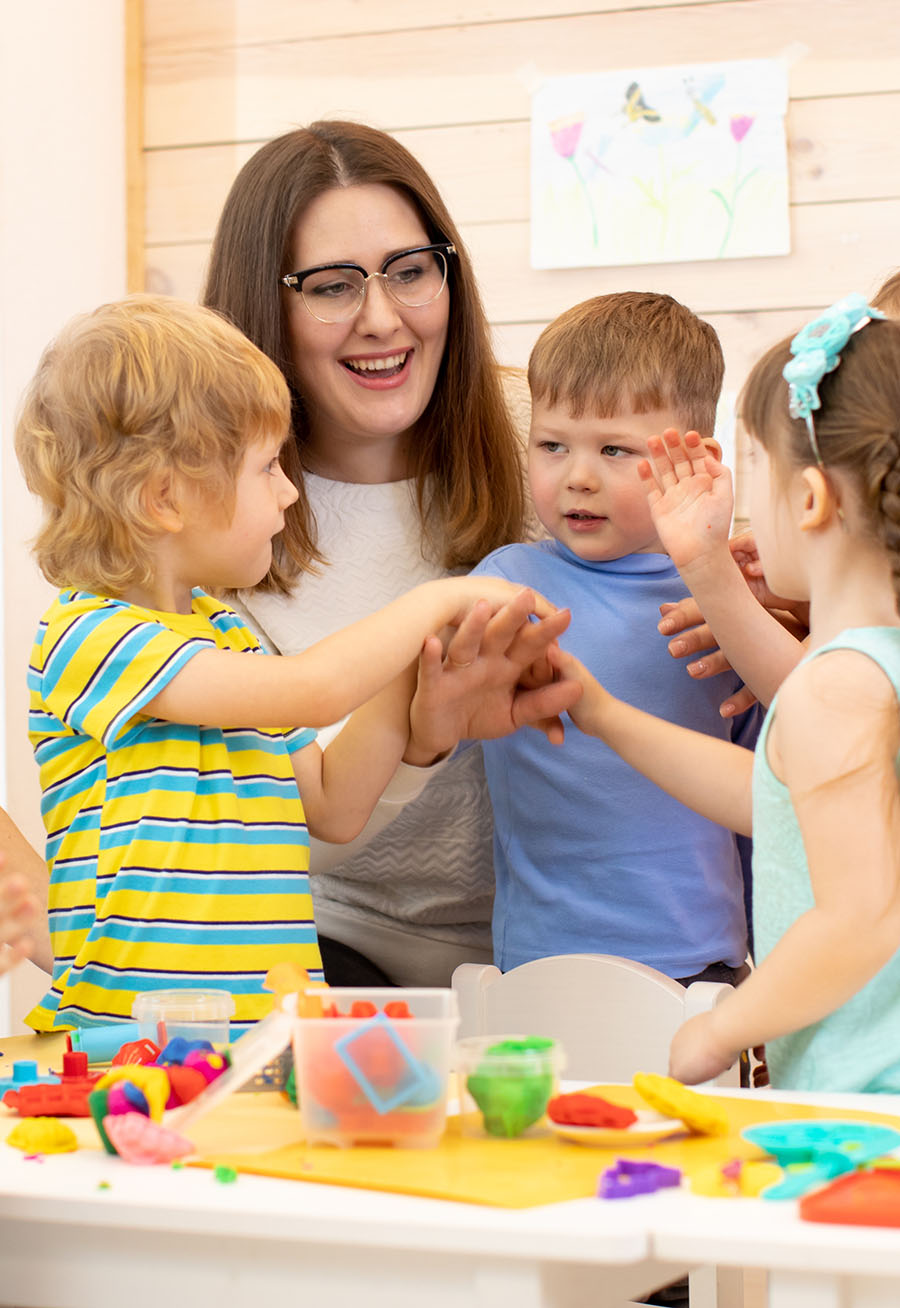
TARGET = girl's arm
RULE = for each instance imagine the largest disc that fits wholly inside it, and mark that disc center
(333, 677)
(711, 776)
(835, 751)
(691, 502)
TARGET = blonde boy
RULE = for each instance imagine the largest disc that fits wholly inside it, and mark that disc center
(585, 858)
(170, 755)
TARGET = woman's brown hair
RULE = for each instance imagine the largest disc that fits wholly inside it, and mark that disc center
(466, 460)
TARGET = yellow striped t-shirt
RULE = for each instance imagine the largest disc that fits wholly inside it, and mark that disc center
(178, 855)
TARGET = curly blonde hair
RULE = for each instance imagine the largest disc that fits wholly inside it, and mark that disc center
(140, 386)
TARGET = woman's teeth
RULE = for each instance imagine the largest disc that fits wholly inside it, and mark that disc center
(392, 361)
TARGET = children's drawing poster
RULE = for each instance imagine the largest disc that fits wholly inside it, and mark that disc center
(658, 165)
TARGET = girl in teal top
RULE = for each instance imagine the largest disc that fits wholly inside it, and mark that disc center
(821, 795)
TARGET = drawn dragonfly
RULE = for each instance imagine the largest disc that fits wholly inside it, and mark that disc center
(701, 98)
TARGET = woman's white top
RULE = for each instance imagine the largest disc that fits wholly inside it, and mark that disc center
(414, 891)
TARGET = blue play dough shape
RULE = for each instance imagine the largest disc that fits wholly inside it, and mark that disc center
(817, 1151)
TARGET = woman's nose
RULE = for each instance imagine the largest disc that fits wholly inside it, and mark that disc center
(379, 313)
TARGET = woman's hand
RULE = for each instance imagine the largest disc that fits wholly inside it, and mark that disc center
(493, 678)
(691, 635)
(690, 496)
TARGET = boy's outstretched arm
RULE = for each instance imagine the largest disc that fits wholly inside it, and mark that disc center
(23, 900)
(471, 690)
(711, 776)
(691, 502)
(324, 683)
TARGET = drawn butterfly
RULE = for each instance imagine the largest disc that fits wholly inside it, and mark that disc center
(636, 107)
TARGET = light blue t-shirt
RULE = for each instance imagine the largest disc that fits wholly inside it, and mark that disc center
(589, 855)
(857, 1047)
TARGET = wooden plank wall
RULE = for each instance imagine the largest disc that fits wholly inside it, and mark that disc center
(452, 80)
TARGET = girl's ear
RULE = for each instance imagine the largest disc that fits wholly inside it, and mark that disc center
(160, 501)
(819, 502)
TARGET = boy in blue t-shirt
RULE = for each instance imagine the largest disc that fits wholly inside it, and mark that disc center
(584, 854)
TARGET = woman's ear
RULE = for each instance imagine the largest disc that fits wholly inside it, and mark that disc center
(819, 501)
(160, 501)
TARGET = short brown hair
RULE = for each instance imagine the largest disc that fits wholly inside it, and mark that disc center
(466, 459)
(138, 386)
(636, 350)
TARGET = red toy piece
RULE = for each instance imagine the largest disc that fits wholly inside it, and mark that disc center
(397, 1008)
(140, 1052)
(867, 1198)
(66, 1100)
(579, 1109)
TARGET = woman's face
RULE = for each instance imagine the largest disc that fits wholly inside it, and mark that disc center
(366, 382)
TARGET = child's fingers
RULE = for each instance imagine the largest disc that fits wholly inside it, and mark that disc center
(660, 462)
(541, 707)
(529, 642)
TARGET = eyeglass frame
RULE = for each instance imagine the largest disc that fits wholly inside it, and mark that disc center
(294, 281)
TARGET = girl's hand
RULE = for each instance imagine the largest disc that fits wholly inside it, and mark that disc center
(690, 496)
(589, 710)
(696, 1054)
(494, 678)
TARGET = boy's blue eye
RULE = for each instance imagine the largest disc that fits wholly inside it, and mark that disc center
(612, 450)
(552, 447)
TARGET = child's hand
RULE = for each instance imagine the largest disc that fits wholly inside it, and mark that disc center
(18, 913)
(696, 1054)
(494, 678)
(690, 496)
(588, 711)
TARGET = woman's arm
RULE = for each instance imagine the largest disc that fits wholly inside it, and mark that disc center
(835, 752)
(472, 690)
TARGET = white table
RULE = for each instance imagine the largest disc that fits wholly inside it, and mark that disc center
(163, 1239)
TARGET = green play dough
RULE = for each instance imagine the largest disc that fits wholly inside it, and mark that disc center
(512, 1085)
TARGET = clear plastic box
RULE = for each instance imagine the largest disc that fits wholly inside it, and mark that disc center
(193, 1014)
(506, 1082)
(376, 1077)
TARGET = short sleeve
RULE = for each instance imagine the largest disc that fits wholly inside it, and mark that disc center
(298, 739)
(102, 662)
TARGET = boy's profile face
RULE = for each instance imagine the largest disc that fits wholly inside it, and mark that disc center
(584, 482)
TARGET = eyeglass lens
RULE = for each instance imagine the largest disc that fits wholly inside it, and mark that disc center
(412, 279)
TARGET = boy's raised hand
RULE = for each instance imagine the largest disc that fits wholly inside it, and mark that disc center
(690, 495)
(493, 678)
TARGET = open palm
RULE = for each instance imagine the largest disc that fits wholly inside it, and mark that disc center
(690, 496)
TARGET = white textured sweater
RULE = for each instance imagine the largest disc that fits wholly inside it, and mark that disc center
(415, 897)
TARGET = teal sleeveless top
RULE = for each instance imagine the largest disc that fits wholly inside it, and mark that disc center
(856, 1048)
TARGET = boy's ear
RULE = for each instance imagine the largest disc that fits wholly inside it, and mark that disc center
(712, 446)
(819, 501)
(160, 501)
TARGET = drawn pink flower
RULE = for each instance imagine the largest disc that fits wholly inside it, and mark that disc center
(565, 134)
(740, 126)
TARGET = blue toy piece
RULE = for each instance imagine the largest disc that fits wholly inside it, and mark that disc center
(102, 1043)
(25, 1072)
(178, 1048)
(411, 1089)
(818, 1151)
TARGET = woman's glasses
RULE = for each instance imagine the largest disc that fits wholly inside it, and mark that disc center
(334, 292)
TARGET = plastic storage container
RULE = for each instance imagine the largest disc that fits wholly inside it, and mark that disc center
(506, 1082)
(193, 1014)
(371, 1074)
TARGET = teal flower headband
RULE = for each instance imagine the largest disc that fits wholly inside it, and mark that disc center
(816, 350)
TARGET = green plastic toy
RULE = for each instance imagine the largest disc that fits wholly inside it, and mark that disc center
(512, 1084)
